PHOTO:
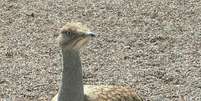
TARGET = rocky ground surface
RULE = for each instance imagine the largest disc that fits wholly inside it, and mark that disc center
(152, 45)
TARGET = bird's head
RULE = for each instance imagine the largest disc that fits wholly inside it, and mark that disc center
(74, 35)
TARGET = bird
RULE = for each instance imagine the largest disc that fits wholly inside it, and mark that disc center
(74, 36)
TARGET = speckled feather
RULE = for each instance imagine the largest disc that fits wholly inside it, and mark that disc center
(108, 93)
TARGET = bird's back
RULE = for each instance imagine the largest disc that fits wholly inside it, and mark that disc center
(110, 93)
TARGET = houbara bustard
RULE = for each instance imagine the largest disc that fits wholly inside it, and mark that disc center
(74, 36)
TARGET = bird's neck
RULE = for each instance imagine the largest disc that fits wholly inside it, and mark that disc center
(71, 86)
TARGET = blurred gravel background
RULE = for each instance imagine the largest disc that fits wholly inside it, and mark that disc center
(151, 45)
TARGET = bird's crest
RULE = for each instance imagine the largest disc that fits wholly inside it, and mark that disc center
(75, 27)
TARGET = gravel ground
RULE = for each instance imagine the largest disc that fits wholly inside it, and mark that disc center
(151, 45)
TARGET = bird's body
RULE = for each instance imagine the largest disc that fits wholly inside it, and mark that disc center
(108, 93)
(74, 36)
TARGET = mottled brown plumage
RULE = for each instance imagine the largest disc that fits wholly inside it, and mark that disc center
(73, 36)
(108, 93)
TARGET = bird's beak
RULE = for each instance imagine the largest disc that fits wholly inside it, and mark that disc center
(92, 34)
